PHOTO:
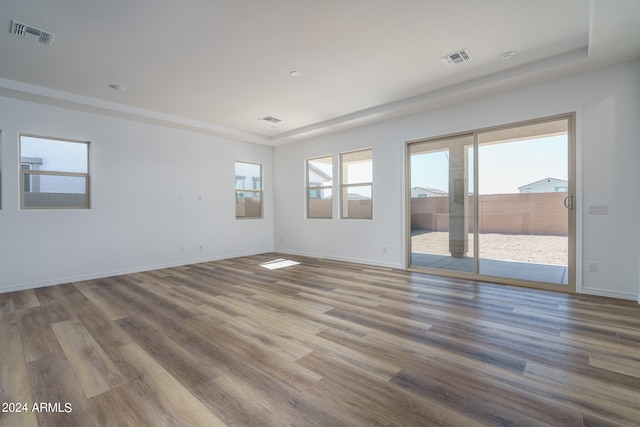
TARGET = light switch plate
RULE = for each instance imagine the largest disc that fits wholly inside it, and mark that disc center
(597, 209)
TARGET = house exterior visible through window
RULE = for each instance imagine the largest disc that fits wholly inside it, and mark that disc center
(54, 173)
(547, 185)
(248, 190)
(319, 187)
(356, 184)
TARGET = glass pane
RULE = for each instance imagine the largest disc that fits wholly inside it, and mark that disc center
(320, 172)
(248, 204)
(248, 175)
(523, 181)
(54, 191)
(356, 202)
(54, 155)
(357, 167)
(320, 203)
(442, 203)
(320, 179)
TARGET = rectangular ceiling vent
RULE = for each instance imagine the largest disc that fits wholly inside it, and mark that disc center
(28, 32)
(271, 119)
(456, 57)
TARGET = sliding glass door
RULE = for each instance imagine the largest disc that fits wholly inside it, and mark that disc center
(496, 203)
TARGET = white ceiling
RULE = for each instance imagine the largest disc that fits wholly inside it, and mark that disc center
(220, 65)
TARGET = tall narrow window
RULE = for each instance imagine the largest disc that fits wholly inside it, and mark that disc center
(356, 184)
(248, 190)
(320, 187)
(54, 173)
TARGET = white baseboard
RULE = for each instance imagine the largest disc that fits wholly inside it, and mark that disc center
(105, 274)
(611, 294)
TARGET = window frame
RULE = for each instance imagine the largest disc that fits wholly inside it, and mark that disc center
(346, 186)
(45, 172)
(27, 167)
(241, 193)
(309, 188)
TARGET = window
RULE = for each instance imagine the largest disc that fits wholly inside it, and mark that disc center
(54, 173)
(356, 185)
(248, 190)
(320, 187)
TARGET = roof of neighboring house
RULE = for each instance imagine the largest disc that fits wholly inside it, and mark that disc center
(544, 180)
(320, 172)
(431, 190)
(356, 196)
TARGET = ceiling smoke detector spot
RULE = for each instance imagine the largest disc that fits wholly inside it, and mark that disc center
(28, 32)
(117, 87)
(270, 119)
(456, 57)
(507, 55)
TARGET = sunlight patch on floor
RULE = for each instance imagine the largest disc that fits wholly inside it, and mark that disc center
(278, 263)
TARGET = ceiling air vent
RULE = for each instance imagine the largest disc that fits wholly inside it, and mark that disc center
(271, 119)
(26, 31)
(456, 57)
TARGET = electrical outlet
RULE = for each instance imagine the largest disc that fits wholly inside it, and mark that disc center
(200, 247)
(384, 249)
(592, 267)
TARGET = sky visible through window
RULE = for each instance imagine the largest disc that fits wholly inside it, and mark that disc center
(502, 167)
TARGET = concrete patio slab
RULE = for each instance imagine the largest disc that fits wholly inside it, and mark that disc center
(546, 273)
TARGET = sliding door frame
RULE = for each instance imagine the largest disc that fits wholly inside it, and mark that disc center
(571, 213)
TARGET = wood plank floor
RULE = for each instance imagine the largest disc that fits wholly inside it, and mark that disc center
(317, 344)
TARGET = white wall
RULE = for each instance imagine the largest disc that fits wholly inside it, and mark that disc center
(607, 104)
(157, 195)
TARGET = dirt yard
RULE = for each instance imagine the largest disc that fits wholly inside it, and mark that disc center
(507, 247)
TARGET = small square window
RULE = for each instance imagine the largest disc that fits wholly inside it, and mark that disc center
(54, 173)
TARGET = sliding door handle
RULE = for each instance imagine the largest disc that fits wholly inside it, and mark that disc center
(568, 202)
